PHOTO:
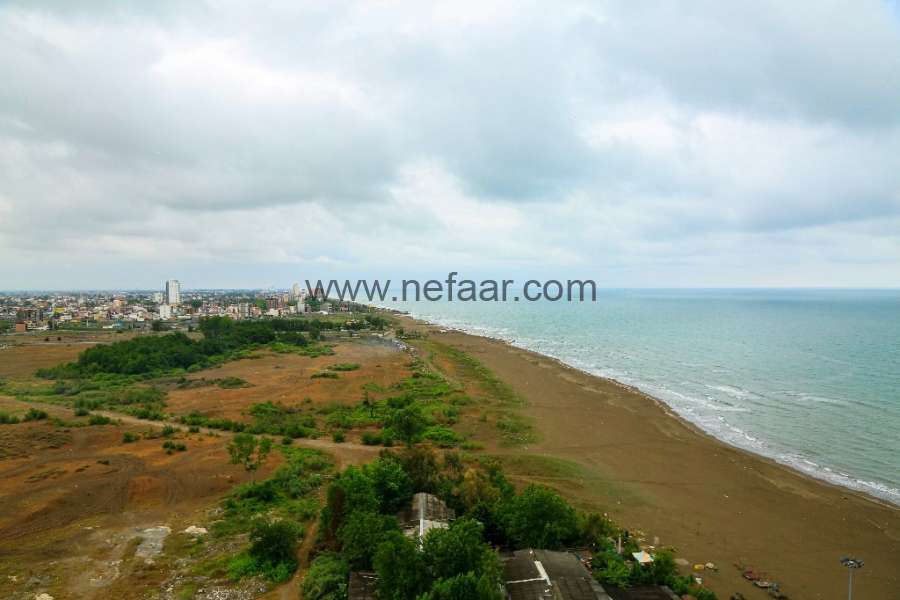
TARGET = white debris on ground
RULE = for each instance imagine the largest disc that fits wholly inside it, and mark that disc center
(44, 596)
(195, 531)
(152, 542)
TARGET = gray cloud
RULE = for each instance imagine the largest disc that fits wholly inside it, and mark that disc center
(660, 146)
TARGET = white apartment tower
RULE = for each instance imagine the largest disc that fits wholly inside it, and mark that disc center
(173, 292)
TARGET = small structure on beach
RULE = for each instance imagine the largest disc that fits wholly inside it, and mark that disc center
(642, 558)
(548, 575)
(426, 512)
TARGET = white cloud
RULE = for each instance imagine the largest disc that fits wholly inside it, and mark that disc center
(659, 146)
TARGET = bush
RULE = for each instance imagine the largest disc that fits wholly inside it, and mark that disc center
(338, 437)
(99, 420)
(169, 446)
(442, 436)
(129, 437)
(326, 578)
(324, 375)
(80, 411)
(8, 419)
(371, 438)
(34, 414)
(344, 367)
(274, 548)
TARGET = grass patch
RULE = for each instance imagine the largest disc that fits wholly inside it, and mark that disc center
(514, 429)
(343, 367)
(324, 375)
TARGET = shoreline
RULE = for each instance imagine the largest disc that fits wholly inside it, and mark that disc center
(653, 470)
(864, 488)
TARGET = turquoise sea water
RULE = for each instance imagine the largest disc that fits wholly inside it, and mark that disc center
(810, 378)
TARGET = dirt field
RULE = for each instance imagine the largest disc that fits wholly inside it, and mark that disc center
(287, 379)
(78, 501)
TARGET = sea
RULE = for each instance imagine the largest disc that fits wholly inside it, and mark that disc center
(809, 378)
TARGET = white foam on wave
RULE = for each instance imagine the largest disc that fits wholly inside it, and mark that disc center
(689, 407)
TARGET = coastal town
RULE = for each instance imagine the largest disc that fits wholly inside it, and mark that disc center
(170, 307)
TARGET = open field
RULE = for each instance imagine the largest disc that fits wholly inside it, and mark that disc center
(79, 501)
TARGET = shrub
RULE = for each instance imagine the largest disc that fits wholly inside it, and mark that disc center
(129, 437)
(168, 431)
(371, 438)
(99, 420)
(8, 419)
(344, 367)
(442, 436)
(326, 578)
(274, 548)
(324, 375)
(338, 437)
(230, 383)
(80, 411)
(34, 414)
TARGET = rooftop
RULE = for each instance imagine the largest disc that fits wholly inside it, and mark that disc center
(548, 575)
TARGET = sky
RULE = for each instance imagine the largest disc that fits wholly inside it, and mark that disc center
(701, 143)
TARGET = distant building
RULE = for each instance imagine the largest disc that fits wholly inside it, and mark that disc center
(21, 327)
(165, 311)
(548, 575)
(173, 292)
(158, 297)
(426, 512)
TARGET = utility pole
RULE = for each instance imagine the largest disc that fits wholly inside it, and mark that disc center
(851, 564)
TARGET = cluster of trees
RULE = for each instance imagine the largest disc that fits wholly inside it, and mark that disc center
(359, 531)
(221, 336)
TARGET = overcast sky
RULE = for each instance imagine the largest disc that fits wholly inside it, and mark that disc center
(238, 144)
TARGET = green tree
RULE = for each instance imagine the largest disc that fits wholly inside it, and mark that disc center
(326, 578)
(352, 491)
(540, 518)
(400, 570)
(249, 451)
(408, 422)
(361, 534)
(391, 483)
(459, 549)
(274, 546)
(468, 586)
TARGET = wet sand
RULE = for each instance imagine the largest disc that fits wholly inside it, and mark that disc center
(656, 473)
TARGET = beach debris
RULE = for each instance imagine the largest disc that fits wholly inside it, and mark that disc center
(711, 566)
(699, 567)
(682, 562)
(643, 557)
(43, 596)
(737, 596)
(196, 531)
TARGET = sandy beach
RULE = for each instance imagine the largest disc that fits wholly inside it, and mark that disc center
(657, 474)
